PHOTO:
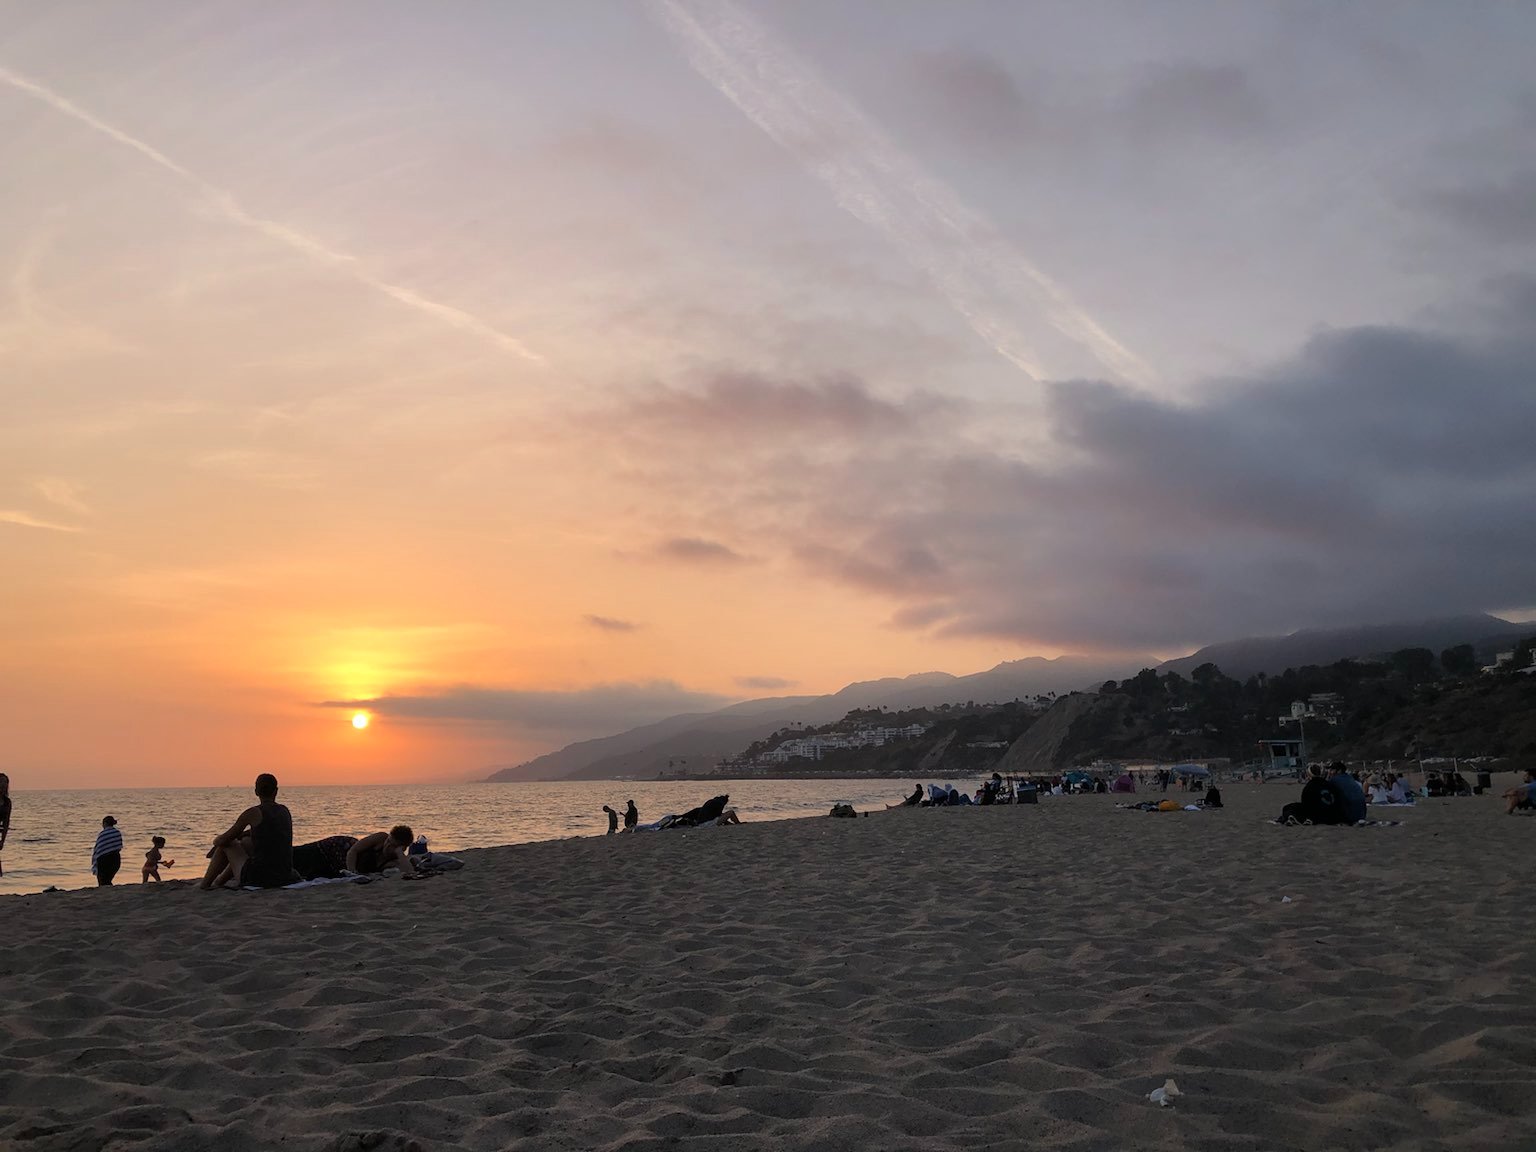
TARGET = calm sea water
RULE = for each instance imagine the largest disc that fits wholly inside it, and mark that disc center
(52, 832)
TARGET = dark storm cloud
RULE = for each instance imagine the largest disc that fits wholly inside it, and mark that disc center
(1382, 474)
(764, 683)
(694, 550)
(609, 623)
(1378, 474)
(601, 708)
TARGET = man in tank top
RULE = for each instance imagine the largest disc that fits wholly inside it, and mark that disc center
(257, 850)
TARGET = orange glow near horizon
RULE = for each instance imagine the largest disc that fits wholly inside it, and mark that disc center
(360, 720)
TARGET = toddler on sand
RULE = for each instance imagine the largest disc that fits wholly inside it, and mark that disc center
(152, 861)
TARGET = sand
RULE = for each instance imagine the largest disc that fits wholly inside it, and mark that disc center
(1002, 978)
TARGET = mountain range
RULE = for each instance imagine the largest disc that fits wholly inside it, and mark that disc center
(696, 741)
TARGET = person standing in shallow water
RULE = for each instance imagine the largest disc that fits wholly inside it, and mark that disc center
(107, 855)
(631, 817)
(613, 820)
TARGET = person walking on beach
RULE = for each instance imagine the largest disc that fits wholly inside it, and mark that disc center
(153, 862)
(257, 850)
(107, 855)
(613, 820)
(5, 814)
(631, 817)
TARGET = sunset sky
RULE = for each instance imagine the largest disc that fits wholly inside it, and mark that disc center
(529, 371)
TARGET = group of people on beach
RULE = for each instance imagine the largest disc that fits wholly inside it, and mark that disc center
(712, 811)
(257, 850)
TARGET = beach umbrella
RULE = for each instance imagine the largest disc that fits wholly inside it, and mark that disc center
(1191, 770)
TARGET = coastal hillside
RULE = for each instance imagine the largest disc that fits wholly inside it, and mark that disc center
(1271, 655)
(697, 742)
(1412, 704)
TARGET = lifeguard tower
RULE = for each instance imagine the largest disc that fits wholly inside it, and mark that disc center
(1284, 755)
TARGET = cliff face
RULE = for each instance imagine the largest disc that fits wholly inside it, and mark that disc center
(1050, 740)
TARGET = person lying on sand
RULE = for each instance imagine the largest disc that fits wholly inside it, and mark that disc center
(379, 850)
(257, 850)
(1522, 795)
(706, 813)
(322, 859)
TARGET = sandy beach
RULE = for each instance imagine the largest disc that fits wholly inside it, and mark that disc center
(1002, 978)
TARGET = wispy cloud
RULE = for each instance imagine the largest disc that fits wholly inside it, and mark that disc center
(695, 550)
(967, 260)
(228, 207)
(764, 683)
(62, 493)
(27, 520)
(610, 624)
(599, 708)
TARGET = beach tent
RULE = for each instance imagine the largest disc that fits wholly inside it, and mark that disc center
(1076, 777)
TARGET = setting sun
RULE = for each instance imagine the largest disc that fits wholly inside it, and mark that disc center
(359, 719)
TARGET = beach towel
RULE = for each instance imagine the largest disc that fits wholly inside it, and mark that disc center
(350, 878)
(1356, 824)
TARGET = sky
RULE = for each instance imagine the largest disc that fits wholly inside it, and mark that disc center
(521, 373)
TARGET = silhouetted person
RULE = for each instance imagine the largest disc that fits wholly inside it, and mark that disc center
(5, 813)
(257, 850)
(107, 855)
(613, 820)
(631, 817)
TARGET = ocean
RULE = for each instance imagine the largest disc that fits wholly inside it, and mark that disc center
(52, 831)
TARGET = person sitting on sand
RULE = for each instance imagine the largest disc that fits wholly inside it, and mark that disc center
(1522, 795)
(1319, 804)
(613, 820)
(1349, 790)
(911, 801)
(631, 817)
(1212, 798)
(380, 850)
(727, 817)
(322, 859)
(153, 862)
(257, 849)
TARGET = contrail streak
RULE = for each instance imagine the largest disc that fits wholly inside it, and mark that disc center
(231, 210)
(967, 260)
(26, 520)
